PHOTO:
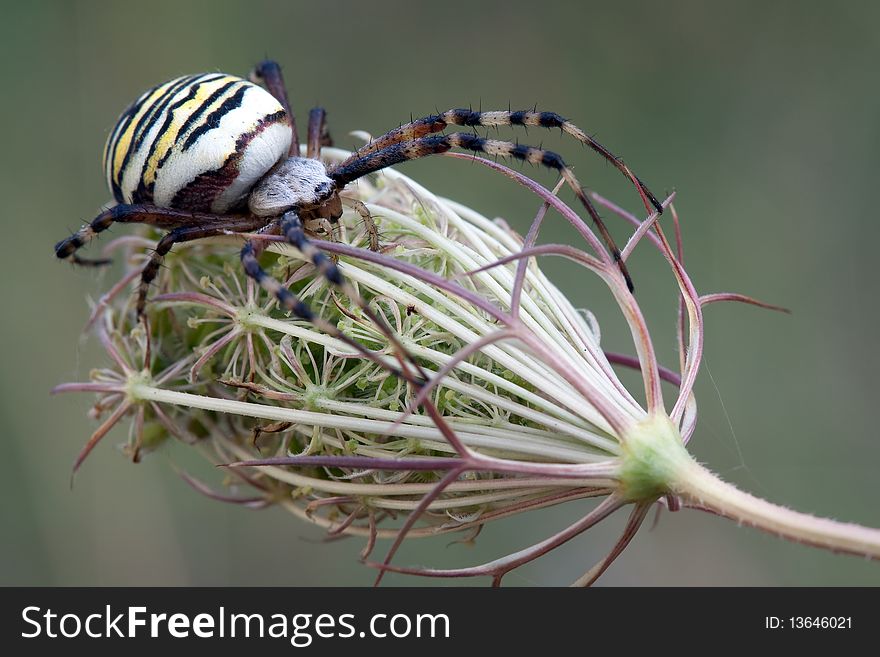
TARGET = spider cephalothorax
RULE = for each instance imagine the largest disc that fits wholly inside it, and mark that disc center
(212, 154)
(297, 183)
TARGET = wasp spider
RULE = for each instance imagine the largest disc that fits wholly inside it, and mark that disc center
(206, 155)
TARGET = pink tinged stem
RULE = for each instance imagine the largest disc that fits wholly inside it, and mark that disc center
(85, 387)
(706, 299)
(680, 324)
(623, 214)
(616, 419)
(182, 435)
(651, 381)
(112, 351)
(371, 537)
(570, 215)
(414, 515)
(695, 322)
(138, 434)
(500, 567)
(262, 390)
(688, 420)
(196, 298)
(210, 353)
(207, 491)
(339, 529)
(680, 329)
(563, 250)
(644, 347)
(100, 432)
(595, 353)
(450, 365)
(574, 254)
(171, 371)
(632, 527)
(314, 505)
(446, 430)
(643, 229)
(553, 499)
(636, 321)
(519, 278)
(642, 341)
(108, 296)
(632, 362)
(252, 356)
(679, 244)
(689, 416)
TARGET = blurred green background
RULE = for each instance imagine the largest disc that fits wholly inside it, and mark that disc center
(763, 117)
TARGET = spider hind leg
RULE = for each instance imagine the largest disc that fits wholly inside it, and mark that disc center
(318, 133)
(269, 73)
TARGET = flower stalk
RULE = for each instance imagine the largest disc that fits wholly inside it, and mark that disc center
(521, 408)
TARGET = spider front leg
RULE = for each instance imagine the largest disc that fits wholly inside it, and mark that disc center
(424, 146)
(152, 215)
(527, 118)
(188, 234)
(291, 227)
(292, 303)
(269, 73)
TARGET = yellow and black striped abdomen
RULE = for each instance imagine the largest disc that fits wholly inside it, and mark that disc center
(198, 142)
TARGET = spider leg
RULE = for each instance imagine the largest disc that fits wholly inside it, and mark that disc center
(188, 234)
(416, 148)
(465, 117)
(318, 135)
(129, 214)
(291, 227)
(269, 73)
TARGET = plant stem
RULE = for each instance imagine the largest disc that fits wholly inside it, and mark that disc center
(655, 463)
(699, 487)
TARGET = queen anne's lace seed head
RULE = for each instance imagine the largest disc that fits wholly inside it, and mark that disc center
(520, 407)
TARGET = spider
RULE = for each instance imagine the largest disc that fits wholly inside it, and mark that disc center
(212, 154)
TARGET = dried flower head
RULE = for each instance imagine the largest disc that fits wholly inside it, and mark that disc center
(502, 401)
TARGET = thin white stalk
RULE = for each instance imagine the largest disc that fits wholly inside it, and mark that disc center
(700, 487)
(431, 436)
(570, 423)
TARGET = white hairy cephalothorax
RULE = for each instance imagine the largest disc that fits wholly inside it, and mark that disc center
(295, 183)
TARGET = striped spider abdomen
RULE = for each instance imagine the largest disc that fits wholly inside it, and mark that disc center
(198, 142)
